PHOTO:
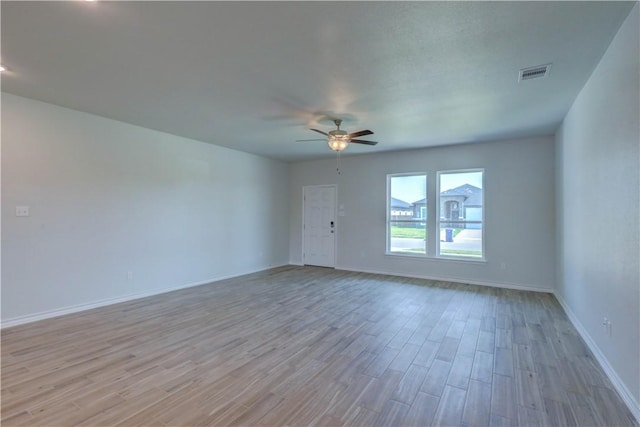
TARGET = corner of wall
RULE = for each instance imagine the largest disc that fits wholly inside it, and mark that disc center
(621, 388)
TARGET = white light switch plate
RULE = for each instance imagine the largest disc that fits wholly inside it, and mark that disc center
(22, 210)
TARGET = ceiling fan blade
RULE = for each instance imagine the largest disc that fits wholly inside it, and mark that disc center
(359, 141)
(305, 140)
(361, 133)
(319, 131)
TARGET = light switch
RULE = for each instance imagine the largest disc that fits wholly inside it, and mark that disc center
(22, 210)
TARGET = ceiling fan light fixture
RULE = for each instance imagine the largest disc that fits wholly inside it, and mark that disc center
(338, 143)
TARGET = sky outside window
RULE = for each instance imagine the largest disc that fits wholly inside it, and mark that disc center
(410, 188)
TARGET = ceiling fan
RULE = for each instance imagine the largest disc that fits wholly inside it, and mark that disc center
(339, 139)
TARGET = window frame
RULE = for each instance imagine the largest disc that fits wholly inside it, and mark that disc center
(432, 223)
(415, 220)
(438, 254)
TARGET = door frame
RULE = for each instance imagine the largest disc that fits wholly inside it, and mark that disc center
(335, 215)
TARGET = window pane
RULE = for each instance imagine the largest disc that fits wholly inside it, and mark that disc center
(407, 237)
(407, 216)
(461, 214)
(461, 242)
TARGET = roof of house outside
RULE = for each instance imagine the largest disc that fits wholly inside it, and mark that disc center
(397, 203)
(473, 194)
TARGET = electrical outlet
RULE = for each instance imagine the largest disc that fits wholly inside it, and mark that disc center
(606, 325)
(503, 266)
(22, 210)
(129, 275)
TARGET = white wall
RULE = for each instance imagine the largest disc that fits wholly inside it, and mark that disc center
(519, 210)
(598, 215)
(108, 198)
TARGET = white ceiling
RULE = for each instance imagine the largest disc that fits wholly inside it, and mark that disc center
(254, 76)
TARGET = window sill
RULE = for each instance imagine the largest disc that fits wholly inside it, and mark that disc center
(437, 258)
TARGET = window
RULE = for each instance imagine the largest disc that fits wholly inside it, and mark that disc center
(457, 228)
(460, 220)
(407, 214)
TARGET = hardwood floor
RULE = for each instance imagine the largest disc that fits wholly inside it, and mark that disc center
(310, 346)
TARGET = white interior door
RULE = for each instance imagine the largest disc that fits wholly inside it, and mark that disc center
(319, 225)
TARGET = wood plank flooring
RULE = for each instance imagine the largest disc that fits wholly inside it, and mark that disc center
(310, 346)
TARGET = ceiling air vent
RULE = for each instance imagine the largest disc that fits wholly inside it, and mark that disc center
(536, 72)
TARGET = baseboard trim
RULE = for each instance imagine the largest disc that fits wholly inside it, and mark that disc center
(30, 318)
(503, 285)
(620, 387)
